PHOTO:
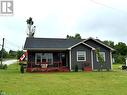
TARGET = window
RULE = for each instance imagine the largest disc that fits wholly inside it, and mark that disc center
(38, 58)
(102, 54)
(81, 55)
(44, 57)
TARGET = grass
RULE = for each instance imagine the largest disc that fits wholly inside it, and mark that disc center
(72, 83)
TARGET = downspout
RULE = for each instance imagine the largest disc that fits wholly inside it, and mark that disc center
(92, 58)
(111, 59)
(70, 58)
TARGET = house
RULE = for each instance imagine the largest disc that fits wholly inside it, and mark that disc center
(45, 54)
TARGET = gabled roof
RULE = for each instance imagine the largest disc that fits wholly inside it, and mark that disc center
(98, 41)
(57, 43)
(83, 44)
(49, 43)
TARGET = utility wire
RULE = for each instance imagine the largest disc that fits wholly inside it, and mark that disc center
(107, 6)
(9, 44)
(12, 44)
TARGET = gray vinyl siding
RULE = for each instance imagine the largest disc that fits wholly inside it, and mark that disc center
(107, 63)
(74, 61)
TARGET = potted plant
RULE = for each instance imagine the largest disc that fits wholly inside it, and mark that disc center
(87, 66)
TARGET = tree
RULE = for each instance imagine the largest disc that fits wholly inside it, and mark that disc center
(109, 43)
(77, 36)
(120, 52)
(100, 59)
(19, 54)
(121, 48)
(12, 54)
(5, 54)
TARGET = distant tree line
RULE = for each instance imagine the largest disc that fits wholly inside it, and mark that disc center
(11, 54)
(77, 36)
(120, 49)
(120, 52)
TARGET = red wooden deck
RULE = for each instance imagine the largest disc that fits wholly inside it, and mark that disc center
(51, 69)
(45, 68)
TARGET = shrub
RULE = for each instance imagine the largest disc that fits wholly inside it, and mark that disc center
(76, 68)
(3, 66)
(2, 93)
(22, 68)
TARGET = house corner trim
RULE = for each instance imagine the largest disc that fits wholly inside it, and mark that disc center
(92, 59)
(70, 58)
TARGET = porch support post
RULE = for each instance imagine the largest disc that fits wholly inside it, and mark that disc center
(92, 58)
(70, 58)
(111, 59)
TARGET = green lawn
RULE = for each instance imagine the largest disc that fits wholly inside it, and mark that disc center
(81, 83)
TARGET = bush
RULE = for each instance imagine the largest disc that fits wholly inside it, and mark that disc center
(3, 66)
(76, 68)
(120, 59)
(22, 69)
(2, 93)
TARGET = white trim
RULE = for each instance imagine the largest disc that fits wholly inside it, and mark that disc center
(36, 57)
(70, 59)
(98, 42)
(83, 44)
(126, 61)
(47, 57)
(84, 52)
(111, 59)
(92, 59)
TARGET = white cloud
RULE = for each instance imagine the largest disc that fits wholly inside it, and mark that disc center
(57, 18)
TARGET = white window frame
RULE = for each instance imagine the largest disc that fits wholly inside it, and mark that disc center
(36, 57)
(84, 55)
(101, 53)
(47, 54)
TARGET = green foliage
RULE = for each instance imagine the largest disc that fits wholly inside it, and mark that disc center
(121, 48)
(12, 54)
(5, 53)
(99, 56)
(100, 59)
(22, 68)
(109, 43)
(77, 36)
(76, 68)
(19, 54)
(119, 59)
(3, 66)
(120, 52)
(2, 92)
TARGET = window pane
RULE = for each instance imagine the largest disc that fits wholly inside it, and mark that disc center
(81, 55)
(38, 58)
(81, 58)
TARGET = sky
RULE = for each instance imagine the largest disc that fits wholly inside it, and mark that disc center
(103, 19)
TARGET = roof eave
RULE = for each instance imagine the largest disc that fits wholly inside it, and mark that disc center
(99, 42)
(81, 43)
(45, 48)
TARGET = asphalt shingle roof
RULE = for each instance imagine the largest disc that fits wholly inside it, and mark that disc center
(49, 43)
